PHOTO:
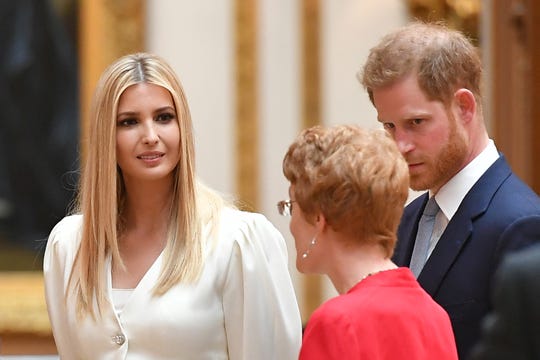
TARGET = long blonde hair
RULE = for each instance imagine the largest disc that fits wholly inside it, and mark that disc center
(102, 191)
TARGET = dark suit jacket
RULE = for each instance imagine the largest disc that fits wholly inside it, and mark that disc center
(498, 215)
(512, 331)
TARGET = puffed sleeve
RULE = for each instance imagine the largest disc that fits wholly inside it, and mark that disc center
(262, 320)
(57, 264)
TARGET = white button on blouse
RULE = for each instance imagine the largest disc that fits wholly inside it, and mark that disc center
(119, 339)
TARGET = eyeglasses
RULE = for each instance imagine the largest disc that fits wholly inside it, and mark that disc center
(284, 207)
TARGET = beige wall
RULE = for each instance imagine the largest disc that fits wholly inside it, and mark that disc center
(197, 38)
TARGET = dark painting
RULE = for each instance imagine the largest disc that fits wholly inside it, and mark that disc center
(39, 125)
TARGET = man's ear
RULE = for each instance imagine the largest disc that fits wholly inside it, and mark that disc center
(465, 103)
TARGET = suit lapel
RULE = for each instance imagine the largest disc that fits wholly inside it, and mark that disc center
(408, 228)
(452, 240)
(460, 228)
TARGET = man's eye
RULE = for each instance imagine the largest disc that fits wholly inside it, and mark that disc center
(417, 121)
(388, 126)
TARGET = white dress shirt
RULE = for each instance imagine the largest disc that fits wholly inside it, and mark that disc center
(451, 194)
(242, 307)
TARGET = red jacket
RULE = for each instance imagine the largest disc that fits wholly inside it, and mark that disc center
(385, 316)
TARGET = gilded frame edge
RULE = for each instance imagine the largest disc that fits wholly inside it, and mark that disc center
(107, 30)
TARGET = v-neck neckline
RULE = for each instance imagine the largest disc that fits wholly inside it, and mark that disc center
(148, 280)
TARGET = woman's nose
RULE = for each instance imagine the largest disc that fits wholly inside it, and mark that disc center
(150, 135)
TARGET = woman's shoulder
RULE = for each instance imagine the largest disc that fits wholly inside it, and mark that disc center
(235, 220)
(332, 314)
(242, 227)
(62, 243)
(66, 230)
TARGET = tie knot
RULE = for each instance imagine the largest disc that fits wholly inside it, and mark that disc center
(432, 207)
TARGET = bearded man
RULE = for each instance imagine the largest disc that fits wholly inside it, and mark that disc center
(425, 83)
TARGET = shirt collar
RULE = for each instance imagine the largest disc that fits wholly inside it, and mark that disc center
(453, 192)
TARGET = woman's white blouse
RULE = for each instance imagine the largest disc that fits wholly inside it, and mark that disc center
(120, 298)
(242, 307)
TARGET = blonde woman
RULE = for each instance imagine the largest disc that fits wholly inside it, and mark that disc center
(347, 191)
(154, 265)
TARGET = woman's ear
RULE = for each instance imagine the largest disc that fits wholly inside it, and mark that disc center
(320, 222)
(465, 104)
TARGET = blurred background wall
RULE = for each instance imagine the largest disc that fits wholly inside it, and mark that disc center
(199, 41)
